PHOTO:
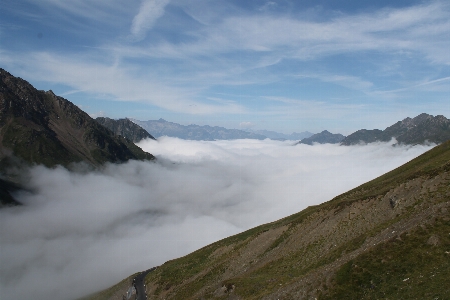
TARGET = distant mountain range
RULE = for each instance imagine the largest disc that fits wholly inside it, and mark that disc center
(281, 136)
(161, 127)
(421, 129)
(125, 128)
(324, 137)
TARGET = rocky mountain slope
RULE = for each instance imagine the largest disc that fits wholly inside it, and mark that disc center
(40, 127)
(125, 128)
(418, 130)
(324, 137)
(386, 239)
(161, 127)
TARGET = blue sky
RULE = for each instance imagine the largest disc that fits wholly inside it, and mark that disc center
(278, 65)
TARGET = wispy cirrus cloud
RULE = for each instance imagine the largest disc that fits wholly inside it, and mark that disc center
(265, 41)
(75, 12)
(118, 83)
(386, 30)
(440, 84)
(149, 12)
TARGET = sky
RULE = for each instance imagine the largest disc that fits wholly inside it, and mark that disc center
(91, 229)
(286, 66)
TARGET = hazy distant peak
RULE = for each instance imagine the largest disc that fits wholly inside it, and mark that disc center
(161, 127)
(325, 137)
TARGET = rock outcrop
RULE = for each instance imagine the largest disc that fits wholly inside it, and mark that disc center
(125, 128)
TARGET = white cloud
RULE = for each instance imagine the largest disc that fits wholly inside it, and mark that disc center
(76, 12)
(91, 229)
(420, 28)
(97, 114)
(246, 125)
(118, 83)
(149, 12)
(433, 85)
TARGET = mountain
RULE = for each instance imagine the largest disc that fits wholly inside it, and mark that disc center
(325, 137)
(386, 239)
(421, 129)
(38, 127)
(125, 128)
(281, 136)
(161, 127)
(41, 128)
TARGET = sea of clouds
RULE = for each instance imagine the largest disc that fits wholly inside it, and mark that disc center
(81, 231)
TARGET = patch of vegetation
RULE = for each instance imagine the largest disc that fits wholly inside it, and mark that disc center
(35, 146)
(429, 164)
(188, 290)
(173, 272)
(414, 266)
(110, 292)
(289, 268)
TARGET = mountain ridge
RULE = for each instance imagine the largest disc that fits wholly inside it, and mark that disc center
(418, 130)
(161, 127)
(43, 128)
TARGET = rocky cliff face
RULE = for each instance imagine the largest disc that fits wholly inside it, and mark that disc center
(125, 128)
(421, 129)
(324, 137)
(42, 128)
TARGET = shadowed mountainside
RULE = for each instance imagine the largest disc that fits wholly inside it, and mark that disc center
(6, 188)
(125, 128)
(386, 239)
(42, 128)
(421, 129)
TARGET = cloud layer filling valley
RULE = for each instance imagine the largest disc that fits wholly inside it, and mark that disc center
(79, 232)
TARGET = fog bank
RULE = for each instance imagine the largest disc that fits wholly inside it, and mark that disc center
(79, 232)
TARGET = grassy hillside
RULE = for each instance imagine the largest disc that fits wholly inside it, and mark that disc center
(386, 239)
